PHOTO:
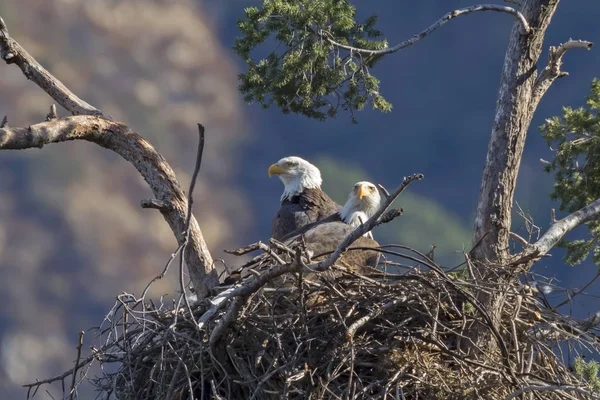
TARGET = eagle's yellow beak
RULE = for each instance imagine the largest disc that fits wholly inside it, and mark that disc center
(363, 191)
(275, 169)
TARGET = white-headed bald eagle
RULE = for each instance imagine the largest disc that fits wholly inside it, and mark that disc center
(363, 201)
(323, 237)
(302, 202)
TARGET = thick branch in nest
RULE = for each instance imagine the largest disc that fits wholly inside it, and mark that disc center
(153, 167)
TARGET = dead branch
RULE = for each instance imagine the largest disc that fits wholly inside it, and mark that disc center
(188, 219)
(552, 71)
(553, 388)
(149, 163)
(423, 34)
(556, 232)
(74, 374)
(12, 53)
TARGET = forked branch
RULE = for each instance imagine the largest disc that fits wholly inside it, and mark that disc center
(552, 71)
(447, 17)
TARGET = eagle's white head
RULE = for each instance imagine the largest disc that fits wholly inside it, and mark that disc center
(363, 201)
(296, 174)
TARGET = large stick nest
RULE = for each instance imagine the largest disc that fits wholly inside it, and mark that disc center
(354, 336)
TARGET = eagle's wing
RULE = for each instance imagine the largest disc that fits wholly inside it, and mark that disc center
(324, 239)
(312, 205)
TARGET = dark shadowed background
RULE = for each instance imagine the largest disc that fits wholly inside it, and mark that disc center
(72, 234)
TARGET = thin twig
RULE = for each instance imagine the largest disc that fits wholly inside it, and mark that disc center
(74, 374)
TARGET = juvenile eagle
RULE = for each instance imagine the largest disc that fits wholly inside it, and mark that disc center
(302, 202)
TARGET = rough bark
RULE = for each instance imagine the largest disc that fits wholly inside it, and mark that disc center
(150, 164)
(514, 110)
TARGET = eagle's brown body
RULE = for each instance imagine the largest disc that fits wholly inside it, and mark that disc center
(322, 239)
(311, 205)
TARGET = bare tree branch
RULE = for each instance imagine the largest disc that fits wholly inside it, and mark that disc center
(12, 53)
(188, 219)
(74, 374)
(149, 163)
(553, 388)
(565, 225)
(447, 17)
(552, 70)
(556, 232)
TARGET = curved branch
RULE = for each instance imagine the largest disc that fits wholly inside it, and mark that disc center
(447, 17)
(552, 71)
(12, 53)
(556, 232)
(562, 227)
(150, 164)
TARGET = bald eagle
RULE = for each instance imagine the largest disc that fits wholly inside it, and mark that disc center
(363, 201)
(323, 237)
(302, 202)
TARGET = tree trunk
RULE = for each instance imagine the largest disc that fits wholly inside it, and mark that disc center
(514, 111)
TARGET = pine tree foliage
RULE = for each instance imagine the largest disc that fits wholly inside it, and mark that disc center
(306, 73)
(575, 138)
(588, 372)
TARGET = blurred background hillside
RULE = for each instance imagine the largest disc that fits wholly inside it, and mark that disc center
(72, 234)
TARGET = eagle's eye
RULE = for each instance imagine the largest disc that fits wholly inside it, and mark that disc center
(291, 163)
(372, 189)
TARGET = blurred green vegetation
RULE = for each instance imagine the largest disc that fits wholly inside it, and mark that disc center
(424, 222)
